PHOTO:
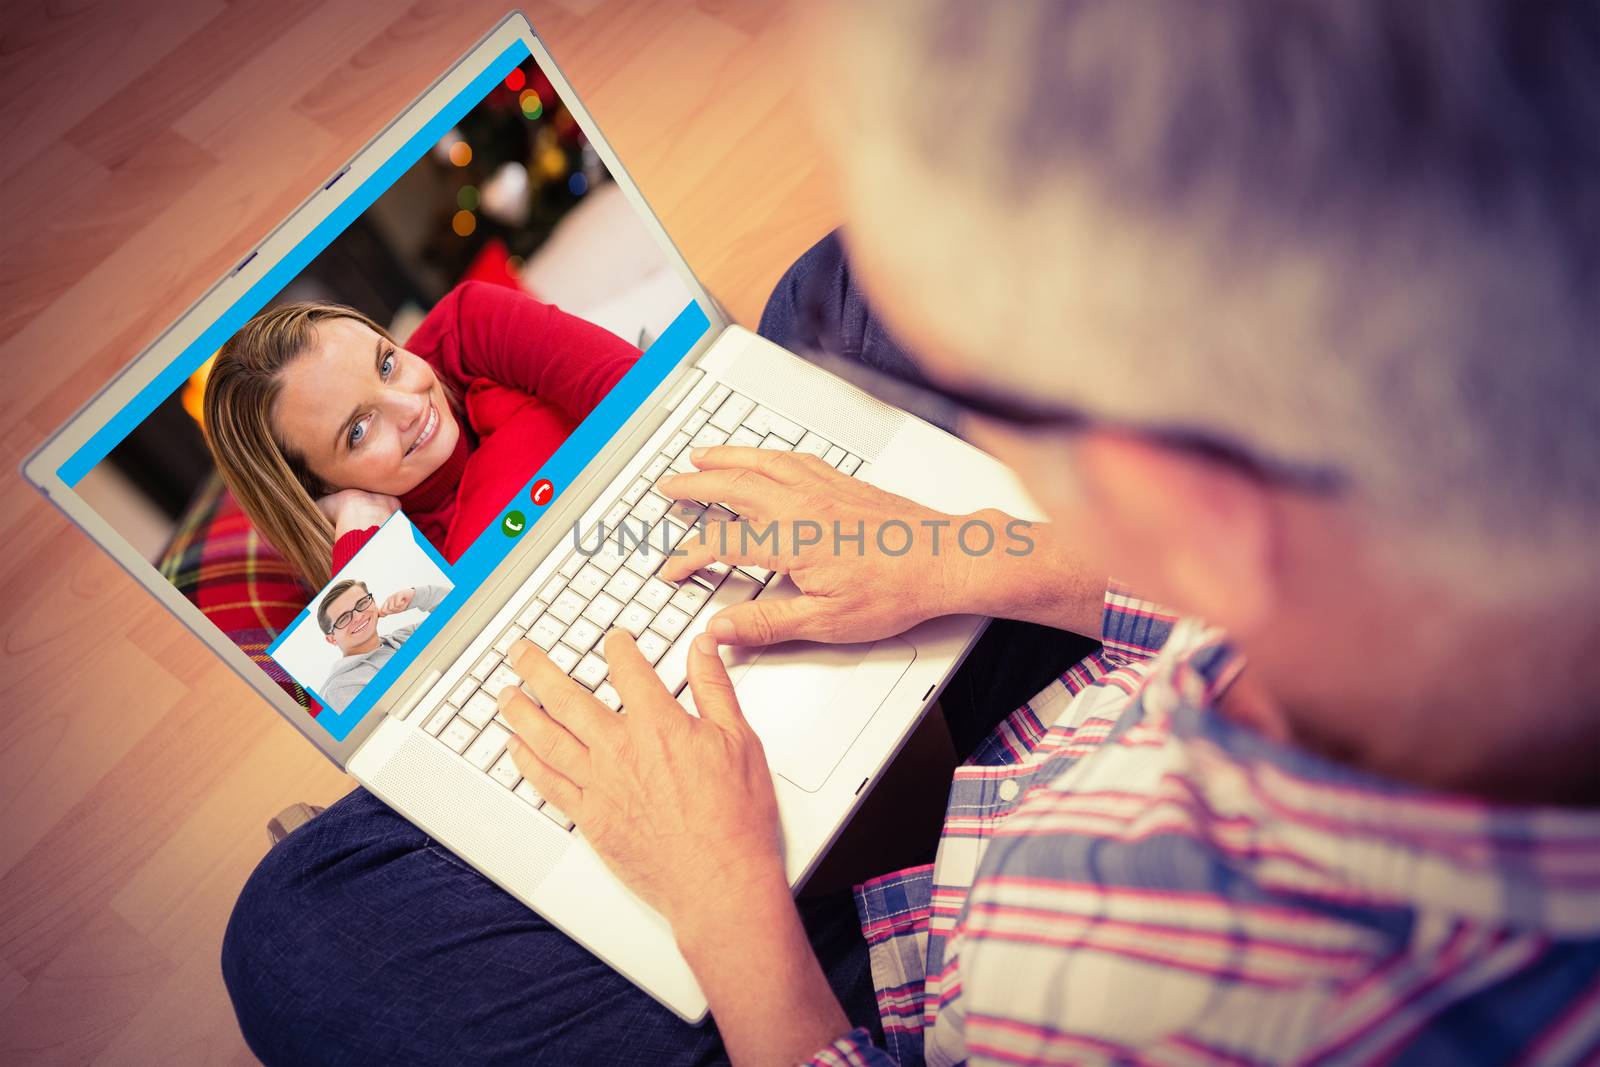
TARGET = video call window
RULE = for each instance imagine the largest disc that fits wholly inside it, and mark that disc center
(400, 391)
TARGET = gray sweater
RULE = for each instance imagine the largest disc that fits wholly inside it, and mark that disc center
(352, 673)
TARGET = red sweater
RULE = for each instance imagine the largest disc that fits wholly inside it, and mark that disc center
(527, 373)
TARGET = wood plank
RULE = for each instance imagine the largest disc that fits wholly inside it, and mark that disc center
(64, 61)
(180, 897)
(61, 751)
(11, 985)
(188, 1020)
(81, 1000)
(192, 71)
(51, 892)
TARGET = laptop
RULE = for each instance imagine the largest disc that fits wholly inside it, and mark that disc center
(416, 723)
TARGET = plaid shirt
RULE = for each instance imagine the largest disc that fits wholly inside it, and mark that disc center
(1125, 876)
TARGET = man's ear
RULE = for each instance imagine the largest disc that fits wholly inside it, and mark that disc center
(1185, 529)
(329, 638)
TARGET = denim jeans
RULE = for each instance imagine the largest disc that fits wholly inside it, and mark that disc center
(360, 940)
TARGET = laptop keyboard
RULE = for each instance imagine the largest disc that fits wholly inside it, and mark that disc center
(569, 612)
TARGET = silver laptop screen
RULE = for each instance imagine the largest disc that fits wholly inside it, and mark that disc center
(350, 449)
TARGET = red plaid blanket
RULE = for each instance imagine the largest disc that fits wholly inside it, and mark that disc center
(236, 579)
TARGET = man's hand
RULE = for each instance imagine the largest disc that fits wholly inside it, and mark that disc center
(853, 591)
(356, 509)
(681, 808)
(397, 602)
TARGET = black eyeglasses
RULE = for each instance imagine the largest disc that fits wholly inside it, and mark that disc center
(953, 408)
(345, 618)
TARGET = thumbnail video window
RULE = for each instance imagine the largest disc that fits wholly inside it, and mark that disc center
(365, 615)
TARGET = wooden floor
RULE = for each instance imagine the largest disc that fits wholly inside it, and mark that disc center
(144, 146)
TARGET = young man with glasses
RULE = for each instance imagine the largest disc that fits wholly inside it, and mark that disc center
(348, 616)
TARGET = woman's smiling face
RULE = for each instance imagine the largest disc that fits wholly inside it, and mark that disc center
(363, 412)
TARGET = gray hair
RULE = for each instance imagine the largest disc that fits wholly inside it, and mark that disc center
(1364, 234)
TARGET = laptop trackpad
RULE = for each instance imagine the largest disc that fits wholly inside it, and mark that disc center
(808, 702)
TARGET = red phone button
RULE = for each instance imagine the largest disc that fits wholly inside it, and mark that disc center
(542, 491)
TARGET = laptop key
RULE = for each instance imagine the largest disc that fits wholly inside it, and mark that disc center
(547, 631)
(572, 565)
(814, 444)
(591, 671)
(732, 412)
(833, 456)
(634, 618)
(607, 694)
(487, 748)
(745, 438)
(525, 791)
(556, 815)
(616, 513)
(505, 771)
(567, 607)
(581, 636)
(531, 613)
(624, 584)
(564, 657)
(696, 421)
(612, 552)
(464, 689)
(653, 646)
(479, 710)
(690, 597)
(712, 574)
(775, 443)
(511, 636)
(441, 715)
(666, 535)
(685, 512)
(763, 420)
(486, 663)
(708, 437)
(848, 464)
(655, 468)
(632, 494)
(669, 622)
(654, 594)
(714, 399)
(644, 559)
(458, 735)
(503, 678)
(602, 610)
(652, 507)
(588, 582)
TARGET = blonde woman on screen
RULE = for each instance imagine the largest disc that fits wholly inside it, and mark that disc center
(323, 425)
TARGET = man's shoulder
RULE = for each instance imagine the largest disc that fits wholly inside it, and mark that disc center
(350, 668)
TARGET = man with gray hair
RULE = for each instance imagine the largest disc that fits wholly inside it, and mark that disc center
(1286, 314)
